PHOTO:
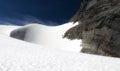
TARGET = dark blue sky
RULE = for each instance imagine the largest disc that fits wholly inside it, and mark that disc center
(42, 11)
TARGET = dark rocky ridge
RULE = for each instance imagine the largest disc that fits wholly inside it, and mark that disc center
(99, 27)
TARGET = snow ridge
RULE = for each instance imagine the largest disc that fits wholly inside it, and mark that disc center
(48, 36)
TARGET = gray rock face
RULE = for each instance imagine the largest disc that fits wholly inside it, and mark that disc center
(99, 27)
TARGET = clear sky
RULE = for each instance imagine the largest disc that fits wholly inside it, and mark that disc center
(49, 12)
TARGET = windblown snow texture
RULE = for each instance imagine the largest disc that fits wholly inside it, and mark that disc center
(99, 27)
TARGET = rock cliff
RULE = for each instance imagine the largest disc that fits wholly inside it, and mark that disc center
(99, 27)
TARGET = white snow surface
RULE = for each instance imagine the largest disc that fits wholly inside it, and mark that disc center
(19, 55)
(48, 36)
(6, 29)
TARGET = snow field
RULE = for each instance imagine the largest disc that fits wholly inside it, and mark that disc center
(36, 55)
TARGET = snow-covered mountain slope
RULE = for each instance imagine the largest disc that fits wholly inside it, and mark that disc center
(48, 36)
(17, 55)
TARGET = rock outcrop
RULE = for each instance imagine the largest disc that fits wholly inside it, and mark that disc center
(99, 27)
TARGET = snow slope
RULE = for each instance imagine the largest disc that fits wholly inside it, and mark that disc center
(18, 55)
(48, 36)
(6, 29)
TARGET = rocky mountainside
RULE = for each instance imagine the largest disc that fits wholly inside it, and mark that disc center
(99, 27)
